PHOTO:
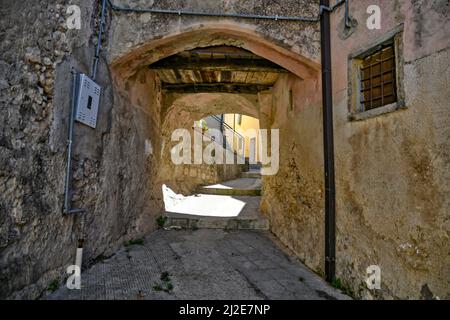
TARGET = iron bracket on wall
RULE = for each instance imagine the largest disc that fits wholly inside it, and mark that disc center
(328, 145)
(323, 8)
(101, 30)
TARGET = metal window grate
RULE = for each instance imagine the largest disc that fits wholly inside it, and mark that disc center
(378, 78)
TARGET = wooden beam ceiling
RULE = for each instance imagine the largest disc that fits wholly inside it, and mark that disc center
(217, 69)
(221, 64)
(216, 87)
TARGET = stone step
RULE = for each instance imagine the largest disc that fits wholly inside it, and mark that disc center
(229, 192)
(255, 166)
(197, 222)
(237, 187)
(251, 174)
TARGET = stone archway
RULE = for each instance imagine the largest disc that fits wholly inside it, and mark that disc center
(213, 34)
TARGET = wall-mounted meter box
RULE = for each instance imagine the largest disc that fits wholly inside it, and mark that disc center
(88, 101)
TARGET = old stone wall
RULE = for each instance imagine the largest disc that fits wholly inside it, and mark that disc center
(35, 238)
(112, 166)
(186, 178)
(392, 170)
(133, 30)
(293, 198)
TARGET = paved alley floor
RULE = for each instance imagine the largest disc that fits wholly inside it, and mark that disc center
(201, 264)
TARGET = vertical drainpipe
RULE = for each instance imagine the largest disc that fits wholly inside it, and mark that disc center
(330, 189)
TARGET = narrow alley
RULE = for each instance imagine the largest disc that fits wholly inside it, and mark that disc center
(201, 264)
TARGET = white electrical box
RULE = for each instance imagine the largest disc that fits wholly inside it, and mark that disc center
(88, 101)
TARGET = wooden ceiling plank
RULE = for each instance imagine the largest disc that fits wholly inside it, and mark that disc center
(216, 87)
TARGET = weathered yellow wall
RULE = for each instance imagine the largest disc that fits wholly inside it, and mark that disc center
(248, 124)
(392, 171)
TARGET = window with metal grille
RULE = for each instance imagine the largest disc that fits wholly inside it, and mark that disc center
(378, 78)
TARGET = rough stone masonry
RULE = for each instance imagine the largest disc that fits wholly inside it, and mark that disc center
(392, 169)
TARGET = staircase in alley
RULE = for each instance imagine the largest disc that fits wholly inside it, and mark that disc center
(230, 205)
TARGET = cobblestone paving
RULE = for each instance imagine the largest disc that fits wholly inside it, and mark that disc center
(200, 264)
